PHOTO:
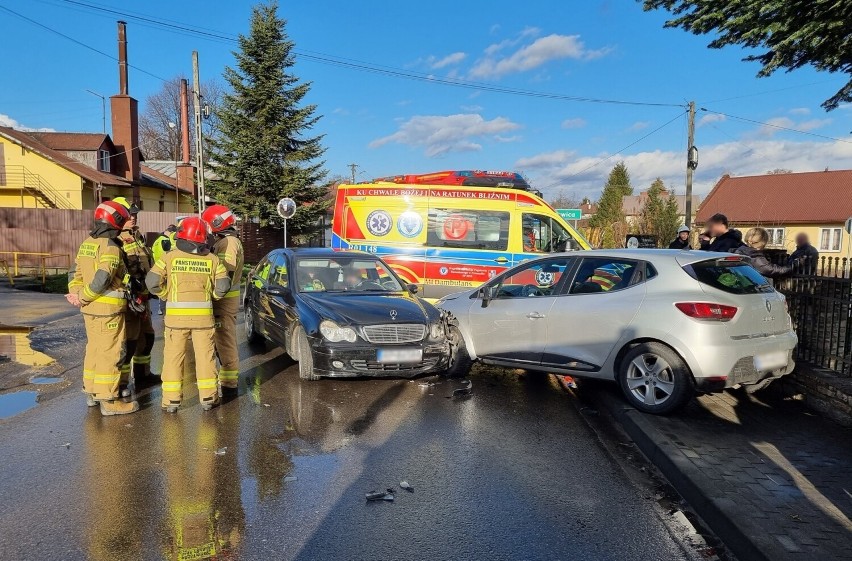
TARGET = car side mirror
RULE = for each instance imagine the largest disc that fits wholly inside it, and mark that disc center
(486, 294)
(278, 291)
(412, 289)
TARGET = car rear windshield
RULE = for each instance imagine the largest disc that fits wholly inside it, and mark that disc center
(735, 277)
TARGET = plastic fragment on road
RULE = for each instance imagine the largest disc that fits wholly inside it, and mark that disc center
(222, 451)
(407, 486)
(386, 495)
(67, 445)
(290, 478)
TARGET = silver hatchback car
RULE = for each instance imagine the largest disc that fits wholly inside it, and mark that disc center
(664, 324)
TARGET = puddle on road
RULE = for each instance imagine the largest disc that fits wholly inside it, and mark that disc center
(45, 380)
(17, 402)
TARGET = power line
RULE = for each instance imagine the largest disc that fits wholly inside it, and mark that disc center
(774, 126)
(80, 43)
(614, 154)
(352, 64)
(757, 94)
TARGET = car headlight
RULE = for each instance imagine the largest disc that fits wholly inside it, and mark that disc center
(336, 334)
(436, 330)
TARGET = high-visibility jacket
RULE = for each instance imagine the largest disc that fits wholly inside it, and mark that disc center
(190, 282)
(163, 244)
(97, 277)
(229, 249)
(139, 259)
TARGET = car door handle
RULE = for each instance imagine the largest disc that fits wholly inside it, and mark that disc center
(501, 260)
(535, 315)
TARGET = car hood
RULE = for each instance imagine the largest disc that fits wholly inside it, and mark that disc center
(371, 309)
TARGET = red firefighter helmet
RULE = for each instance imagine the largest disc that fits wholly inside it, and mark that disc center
(193, 229)
(112, 213)
(219, 217)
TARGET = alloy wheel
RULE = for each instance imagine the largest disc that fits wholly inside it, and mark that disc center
(650, 379)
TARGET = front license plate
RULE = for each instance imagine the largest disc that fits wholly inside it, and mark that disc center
(399, 355)
(770, 361)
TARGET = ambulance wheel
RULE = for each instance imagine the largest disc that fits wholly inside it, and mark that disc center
(460, 362)
(306, 355)
(252, 336)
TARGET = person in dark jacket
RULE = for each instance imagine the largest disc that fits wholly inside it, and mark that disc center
(718, 237)
(682, 239)
(756, 240)
(806, 257)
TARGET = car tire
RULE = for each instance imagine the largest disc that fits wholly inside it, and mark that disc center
(658, 369)
(306, 356)
(460, 362)
(253, 338)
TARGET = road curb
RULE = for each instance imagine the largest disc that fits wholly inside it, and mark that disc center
(722, 515)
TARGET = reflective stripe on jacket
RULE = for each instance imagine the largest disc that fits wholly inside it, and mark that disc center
(190, 283)
(97, 277)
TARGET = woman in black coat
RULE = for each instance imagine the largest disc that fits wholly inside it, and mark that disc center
(756, 240)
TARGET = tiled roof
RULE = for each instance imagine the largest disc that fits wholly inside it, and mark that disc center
(29, 141)
(154, 178)
(169, 168)
(66, 141)
(819, 197)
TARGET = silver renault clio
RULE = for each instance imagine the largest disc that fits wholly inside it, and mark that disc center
(664, 324)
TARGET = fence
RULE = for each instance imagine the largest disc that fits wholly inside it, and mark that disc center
(820, 303)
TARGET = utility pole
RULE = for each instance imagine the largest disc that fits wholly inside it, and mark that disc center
(353, 167)
(199, 161)
(691, 162)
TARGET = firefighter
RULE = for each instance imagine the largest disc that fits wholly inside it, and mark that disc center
(192, 277)
(229, 249)
(162, 245)
(96, 286)
(140, 329)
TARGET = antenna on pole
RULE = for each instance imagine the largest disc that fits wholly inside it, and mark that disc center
(103, 106)
(353, 167)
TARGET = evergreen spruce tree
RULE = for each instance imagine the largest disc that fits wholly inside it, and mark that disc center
(609, 222)
(265, 150)
(660, 215)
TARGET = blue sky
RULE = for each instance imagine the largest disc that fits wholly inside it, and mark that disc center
(596, 49)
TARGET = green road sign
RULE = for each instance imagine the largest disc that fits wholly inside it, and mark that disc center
(570, 213)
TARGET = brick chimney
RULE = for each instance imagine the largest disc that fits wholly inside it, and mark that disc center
(185, 170)
(125, 119)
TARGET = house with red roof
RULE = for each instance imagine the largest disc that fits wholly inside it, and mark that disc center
(816, 203)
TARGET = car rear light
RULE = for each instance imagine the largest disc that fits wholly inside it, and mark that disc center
(707, 311)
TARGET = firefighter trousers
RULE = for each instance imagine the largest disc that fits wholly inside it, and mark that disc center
(174, 357)
(140, 341)
(225, 312)
(105, 350)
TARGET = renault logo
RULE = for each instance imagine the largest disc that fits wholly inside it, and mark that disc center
(768, 306)
(393, 315)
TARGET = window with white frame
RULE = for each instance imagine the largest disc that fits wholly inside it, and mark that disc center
(829, 239)
(776, 237)
(103, 160)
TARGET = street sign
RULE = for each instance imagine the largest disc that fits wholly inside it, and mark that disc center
(640, 241)
(848, 226)
(570, 213)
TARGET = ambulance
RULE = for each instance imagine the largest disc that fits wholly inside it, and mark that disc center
(450, 230)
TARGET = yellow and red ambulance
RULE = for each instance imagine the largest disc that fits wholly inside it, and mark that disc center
(450, 230)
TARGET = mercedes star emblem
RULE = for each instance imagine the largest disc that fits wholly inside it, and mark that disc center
(393, 315)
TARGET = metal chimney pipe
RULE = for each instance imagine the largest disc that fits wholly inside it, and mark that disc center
(184, 122)
(122, 58)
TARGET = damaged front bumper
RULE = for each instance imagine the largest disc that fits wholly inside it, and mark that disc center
(352, 360)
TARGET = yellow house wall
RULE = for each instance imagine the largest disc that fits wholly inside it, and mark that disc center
(64, 182)
(813, 233)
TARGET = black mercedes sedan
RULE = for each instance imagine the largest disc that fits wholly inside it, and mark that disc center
(343, 313)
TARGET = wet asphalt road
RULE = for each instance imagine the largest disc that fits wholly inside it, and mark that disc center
(280, 472)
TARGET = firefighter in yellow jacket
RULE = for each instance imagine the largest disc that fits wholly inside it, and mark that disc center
(96, 285)
(191, 278)
(229, 249)
(140, 329)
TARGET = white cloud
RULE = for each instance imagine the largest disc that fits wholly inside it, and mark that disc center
(800, 111)
(576, 123)
(341, 111)
(471, 108)
(638, 126)
(776, 124)
(531, 56)
(440, 134)
(526, 33)
(436, 63)
(7, 121)
(586, 175)
(711, 118)
(494, 29)
(813, 124)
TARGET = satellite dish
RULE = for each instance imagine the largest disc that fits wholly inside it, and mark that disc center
(286, 208)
